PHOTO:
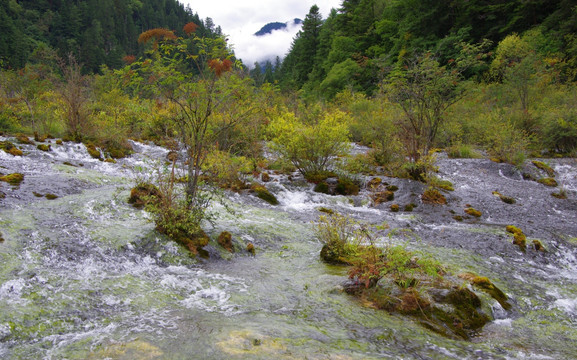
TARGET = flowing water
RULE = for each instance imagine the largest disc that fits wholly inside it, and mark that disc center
(85, 276)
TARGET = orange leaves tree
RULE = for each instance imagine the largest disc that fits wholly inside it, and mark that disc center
(194, 74)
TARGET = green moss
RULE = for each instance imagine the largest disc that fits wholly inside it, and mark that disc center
(561, 194)
(392, 188)
(374, 183)
(23, 139)
(395, 207)
(51, 196)
(507, 199)
(519, 238)
(265, 177)
(473, 212)
(346, 187)
(322, 188)
(225, 240)
(538, 246)
(93, 151)
(13, 179)
(37, 194)
(548, 181)
(40, 138)
(541, 165)
(458, 218)
(433, 196)
(9, 148)
(382, 196)
(250, 248)
(43, 147)
(326, 210)
(484, 284)
(410, 207)
(143, 193)
(263, 193)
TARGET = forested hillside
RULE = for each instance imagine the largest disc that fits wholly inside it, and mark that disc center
(97, 32)
(355, 44)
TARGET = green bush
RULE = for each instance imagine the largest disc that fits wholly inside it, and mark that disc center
(311, 148)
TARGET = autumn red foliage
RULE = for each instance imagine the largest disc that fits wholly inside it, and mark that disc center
(129, 59)
(156, 34)
(190, 28)
(220, 66)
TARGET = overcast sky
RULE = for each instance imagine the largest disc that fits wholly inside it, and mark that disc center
(240, 19)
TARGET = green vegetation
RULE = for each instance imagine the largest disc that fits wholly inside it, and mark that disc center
(392, 278)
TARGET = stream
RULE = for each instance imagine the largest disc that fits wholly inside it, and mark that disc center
(86, 276)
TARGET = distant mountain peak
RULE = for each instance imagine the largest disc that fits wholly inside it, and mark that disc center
(273, 26)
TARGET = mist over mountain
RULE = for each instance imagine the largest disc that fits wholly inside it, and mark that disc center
(275, 26)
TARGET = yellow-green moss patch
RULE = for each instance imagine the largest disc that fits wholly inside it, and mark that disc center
(519, 238)
(13, 179)
(433, 196)
(549, 181)
(473, 212)
(541, 165)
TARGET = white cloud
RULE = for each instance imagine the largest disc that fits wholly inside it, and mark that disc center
(239, 20)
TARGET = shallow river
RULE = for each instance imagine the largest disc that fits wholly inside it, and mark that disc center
(85, 276)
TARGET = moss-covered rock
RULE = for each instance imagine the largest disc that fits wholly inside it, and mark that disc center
(262, 193)
(392, 188)
(410, 207)
(548, 181)
(395, 208)
(538, 246)
(43, 147)
(40, 138)
(374, 183)
(322, 187)
(380, 197)
(51, 196)
(346, 187)
(250, 248)
(9, 148)
(142, 194)
(473, 212)
(433, 196)
(23, 139)
(93, 151)
(519, 238)
(265, 177)
(13, 179)
(326, 210)
(449, 310)
(484, 284)
(541, 165)
(225, 240)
